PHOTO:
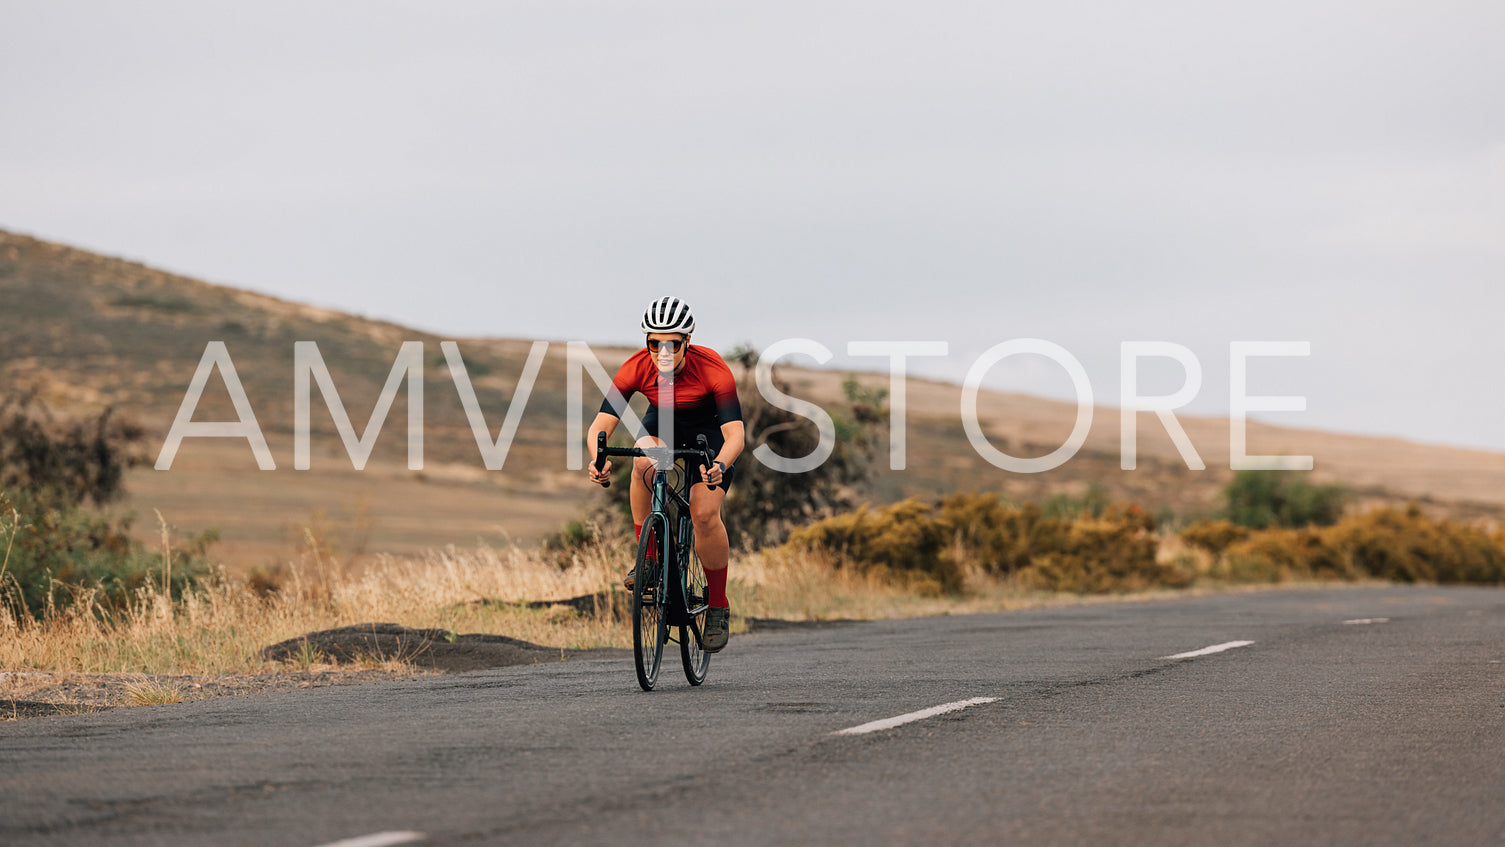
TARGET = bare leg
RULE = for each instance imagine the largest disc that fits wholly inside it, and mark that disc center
(711, 542)
(710, 533)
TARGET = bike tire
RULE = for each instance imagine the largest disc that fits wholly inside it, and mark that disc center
(649, 629)
(696, 660)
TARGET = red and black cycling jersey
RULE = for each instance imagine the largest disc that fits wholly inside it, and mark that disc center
(704, 395)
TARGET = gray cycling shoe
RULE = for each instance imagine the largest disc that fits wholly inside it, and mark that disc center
(630, 579)
(718, 630)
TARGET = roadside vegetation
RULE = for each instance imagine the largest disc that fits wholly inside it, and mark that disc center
(77, 594)
(55, 553)
(969, 552)
(223, 622)
(967, 541)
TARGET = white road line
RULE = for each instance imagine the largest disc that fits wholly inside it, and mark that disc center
(1362, 621)
(378, 839)
(889, 723)
(1207, 651)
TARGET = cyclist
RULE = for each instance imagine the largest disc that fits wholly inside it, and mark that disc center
(699, 397)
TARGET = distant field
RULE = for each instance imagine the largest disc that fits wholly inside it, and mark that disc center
(262, 517)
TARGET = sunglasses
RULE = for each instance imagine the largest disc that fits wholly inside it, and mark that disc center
(654, 343)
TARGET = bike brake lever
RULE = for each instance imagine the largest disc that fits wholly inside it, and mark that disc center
(706, 458)
(601, 455)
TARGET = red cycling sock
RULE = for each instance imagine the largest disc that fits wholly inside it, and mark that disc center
(716, 582)
(637, 533)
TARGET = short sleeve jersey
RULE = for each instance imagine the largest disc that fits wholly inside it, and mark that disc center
(703, 395)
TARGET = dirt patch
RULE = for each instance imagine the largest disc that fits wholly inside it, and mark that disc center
(12, 710)
(615, 602)
(431, 649)
(618, 602)
(345, 656)
(35, 694)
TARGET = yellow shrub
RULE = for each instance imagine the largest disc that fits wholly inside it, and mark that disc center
(1408, 546)
(903, 537)
(1215, 536)
(1393, 544)
(998, 537)
(1114, 552)
(929, 547)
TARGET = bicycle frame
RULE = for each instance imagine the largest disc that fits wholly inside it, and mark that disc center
(673, 507)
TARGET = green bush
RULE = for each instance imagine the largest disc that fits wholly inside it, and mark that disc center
(54, 553)
(1090, 504)
(63, 462)
(53, 559)
(1263, 499)
(166, 303)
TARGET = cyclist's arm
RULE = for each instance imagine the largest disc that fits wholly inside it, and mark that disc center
(604, 422)
(728, 411)
(736, 439)
(627, 380)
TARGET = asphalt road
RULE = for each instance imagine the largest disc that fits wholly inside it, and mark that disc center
(1321, 731)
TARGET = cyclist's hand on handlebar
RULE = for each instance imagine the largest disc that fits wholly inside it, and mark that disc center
(711, 474)
(602, 476)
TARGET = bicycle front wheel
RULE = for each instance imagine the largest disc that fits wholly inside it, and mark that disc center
(696, 660)
(649, 629)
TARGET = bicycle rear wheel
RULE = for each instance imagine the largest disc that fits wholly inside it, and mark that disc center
(649, 629)
(696, 660)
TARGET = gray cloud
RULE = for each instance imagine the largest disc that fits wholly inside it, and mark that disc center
(1084, 172)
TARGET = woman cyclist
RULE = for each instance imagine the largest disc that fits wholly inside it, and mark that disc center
(690, 392)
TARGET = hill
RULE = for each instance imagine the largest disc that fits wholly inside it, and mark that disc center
(86, 331)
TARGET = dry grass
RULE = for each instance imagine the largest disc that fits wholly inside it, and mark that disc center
(222, 628)
(150, 693)
(795, 585)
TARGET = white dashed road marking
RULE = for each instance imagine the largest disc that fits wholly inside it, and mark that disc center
(1368, 620)
(1207, 651)
(889, 723)
(378, 839)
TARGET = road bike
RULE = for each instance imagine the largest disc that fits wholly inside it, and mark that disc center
(669, 589)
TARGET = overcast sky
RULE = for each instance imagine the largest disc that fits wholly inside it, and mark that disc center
(1087, 173)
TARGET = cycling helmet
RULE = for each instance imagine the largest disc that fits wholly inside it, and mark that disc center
(668, 314)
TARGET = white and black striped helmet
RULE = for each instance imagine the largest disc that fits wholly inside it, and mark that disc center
(668, 314)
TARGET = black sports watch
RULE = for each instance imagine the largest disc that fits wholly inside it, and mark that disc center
(718, 464)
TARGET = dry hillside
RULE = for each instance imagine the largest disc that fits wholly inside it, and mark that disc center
(86, 331)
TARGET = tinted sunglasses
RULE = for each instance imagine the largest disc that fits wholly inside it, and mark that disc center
(653, 344)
